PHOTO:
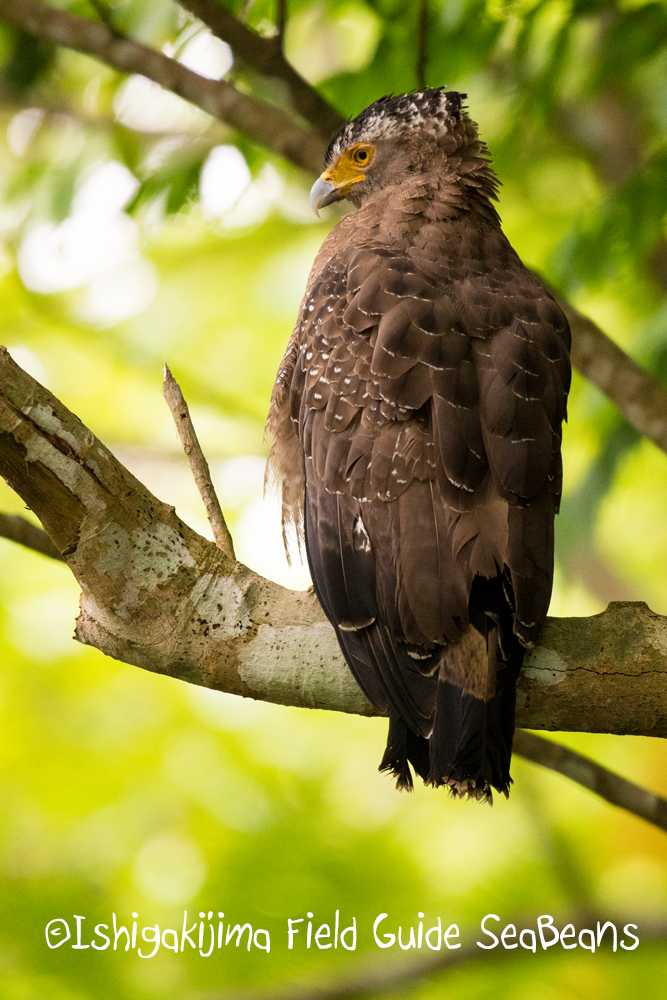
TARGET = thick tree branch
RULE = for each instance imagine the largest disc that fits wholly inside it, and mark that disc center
(265, 55)
(585, 673)
(155, 593)
(264, 123)
(158, 595)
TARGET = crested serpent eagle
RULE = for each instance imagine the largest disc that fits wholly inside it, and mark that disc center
(417, 422)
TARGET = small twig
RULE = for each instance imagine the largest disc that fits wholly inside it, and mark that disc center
(422, 53)
(598, 779)
(198, 464)
(104, 14)
(281, 21)
(19, 529)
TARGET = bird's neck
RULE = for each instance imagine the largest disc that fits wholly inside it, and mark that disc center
(459, 187)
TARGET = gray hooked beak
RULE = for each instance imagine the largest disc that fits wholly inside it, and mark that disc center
(322, 193)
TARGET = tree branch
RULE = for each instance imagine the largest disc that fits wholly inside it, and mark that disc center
(598, 779)
(20, 529)
(264, 123)
(585, 673)
(265, 56)
(639, 395)
(578, 768)
(154, 592)
(281, 22)
(104, 14)
(158, 595)
(201, 473)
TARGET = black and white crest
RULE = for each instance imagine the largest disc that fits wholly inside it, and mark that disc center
(392, 115)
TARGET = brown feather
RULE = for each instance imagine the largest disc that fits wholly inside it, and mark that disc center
(422, 395)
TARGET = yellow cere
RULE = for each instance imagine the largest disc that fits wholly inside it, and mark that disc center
(350, 168)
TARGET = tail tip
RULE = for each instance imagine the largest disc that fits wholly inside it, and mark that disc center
(400, 770)
(474, 789)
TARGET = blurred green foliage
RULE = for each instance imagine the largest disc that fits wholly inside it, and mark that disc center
(125, 792)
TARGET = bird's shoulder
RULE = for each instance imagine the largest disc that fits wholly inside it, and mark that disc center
(465, 262)
(376, 310)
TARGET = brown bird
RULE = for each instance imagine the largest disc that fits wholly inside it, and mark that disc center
(417, 438)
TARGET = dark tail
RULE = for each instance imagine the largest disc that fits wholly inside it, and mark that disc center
(473, 729)
(471, 744)
(404, 748)
(470, 747)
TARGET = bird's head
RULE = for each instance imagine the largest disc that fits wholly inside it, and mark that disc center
(389, 139)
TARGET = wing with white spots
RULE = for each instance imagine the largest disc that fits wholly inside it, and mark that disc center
(426, 391)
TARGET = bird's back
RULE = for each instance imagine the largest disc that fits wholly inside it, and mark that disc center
(417, 421)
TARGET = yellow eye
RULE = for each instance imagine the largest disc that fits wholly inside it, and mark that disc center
(362, 156)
